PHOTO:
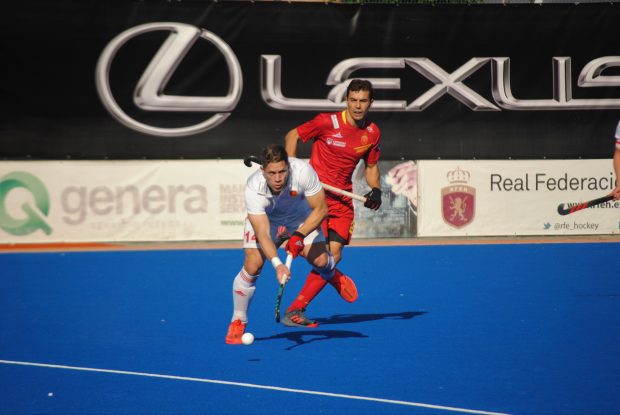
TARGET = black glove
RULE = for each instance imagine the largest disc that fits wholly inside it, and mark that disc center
(373, 199)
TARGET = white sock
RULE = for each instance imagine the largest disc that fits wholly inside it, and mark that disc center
(243, 291)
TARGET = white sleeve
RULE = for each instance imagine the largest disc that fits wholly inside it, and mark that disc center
(309, 180)
(255, 203)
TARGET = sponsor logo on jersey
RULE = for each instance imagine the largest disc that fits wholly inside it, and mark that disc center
(335, 143)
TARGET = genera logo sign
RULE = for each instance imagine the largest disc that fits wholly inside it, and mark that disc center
(31, 218)
(149, 91)
(25, 205)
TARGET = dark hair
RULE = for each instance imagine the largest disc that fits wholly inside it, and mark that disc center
(361, 85)
(274, 153)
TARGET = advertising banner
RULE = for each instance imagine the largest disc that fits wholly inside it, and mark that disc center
(94, 201)
(515, 197)
(397, 216)
(206, 80)
(164, 200)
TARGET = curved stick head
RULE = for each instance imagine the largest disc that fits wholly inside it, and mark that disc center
(252, 159)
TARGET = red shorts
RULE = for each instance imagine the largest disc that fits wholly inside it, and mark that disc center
(339, 218)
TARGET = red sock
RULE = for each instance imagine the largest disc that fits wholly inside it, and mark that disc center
(314, 284)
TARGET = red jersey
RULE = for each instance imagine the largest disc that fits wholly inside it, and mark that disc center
(338, 147)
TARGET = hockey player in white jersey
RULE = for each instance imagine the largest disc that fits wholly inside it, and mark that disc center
(284, 195)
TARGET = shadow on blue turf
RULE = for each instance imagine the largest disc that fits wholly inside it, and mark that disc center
(305, 337)
(359, 318)
(301, 338)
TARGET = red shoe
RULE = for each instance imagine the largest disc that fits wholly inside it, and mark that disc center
(345, 286)
(235, 331)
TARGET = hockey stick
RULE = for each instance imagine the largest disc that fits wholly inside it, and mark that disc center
(253, 159)
(289, 262)
(568, 210)
(344, 192)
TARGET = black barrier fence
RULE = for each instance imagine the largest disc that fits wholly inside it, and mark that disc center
(109, 79)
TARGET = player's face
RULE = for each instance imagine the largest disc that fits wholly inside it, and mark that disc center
(276, 175)
(358, 104)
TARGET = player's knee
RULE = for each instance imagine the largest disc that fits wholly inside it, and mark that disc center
(321, 261)
(337, 255)
(253, 269)
(253, 264)
(324, 263)
(336, 251)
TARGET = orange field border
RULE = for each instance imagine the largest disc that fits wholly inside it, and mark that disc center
(198, 245)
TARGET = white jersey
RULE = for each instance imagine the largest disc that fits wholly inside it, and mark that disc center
(290, 205)
(618, 136)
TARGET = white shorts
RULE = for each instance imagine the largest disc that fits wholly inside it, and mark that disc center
(249, 238)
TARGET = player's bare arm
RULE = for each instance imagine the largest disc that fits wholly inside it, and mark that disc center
(260, 223)
(317, 215)
(290, 142)
(373, 176)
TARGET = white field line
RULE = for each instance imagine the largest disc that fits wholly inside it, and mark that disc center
(251, 385)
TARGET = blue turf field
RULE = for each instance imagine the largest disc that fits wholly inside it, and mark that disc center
(520, 329)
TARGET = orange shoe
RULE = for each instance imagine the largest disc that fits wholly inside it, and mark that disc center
(235, 331)
(345, 286)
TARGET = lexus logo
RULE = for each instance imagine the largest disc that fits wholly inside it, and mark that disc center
(149, 96)
(148, 93)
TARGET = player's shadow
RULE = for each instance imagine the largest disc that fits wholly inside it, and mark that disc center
(301, 338)
(360, 318)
